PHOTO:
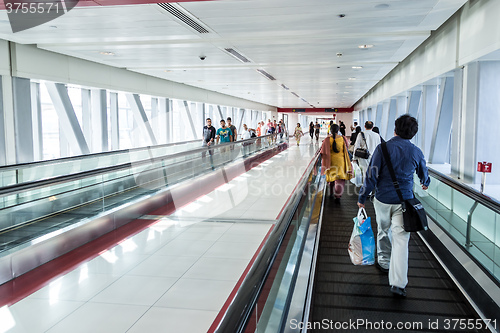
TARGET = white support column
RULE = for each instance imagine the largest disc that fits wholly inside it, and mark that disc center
(87, 114)
(211, 113)
(429, 108)
(99, 121)
(36, 107)
(469, 120)
(487, 133)
(458, 97)
(67, 118)
(114, 118)
(140, 117)
(442, 127)
(3, 152)
(8, 118)
(190, 118)
(165, 105)
(163, 129)
(393, 109)
(378, 117)
(414, 103)
(384, 123)
(402, 106)
(369, 113)
(220, 114)
(23, 120)
(240, 125)
(154, 118)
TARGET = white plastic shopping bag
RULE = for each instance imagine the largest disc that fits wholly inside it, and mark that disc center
(362, 244)
(357, 180)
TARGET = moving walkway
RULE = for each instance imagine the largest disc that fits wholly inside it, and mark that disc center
(303, 280)
(50, 208)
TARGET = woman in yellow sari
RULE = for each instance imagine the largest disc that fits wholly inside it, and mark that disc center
(335, 162)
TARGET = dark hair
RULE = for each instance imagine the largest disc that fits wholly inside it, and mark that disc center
(376, 130)
(222, 120)
(209, 119)
(355, 123)
(369, 124)
(406, 127)
(331, 122)
(335, 129)
(311, 123)
(358, 129)
(229, 118)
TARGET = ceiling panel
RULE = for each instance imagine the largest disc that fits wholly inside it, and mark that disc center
(296, 41)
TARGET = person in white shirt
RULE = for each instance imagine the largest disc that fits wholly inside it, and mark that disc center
(246, 134)
(367, 139)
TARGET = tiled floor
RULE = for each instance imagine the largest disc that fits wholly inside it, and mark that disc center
(176, 275)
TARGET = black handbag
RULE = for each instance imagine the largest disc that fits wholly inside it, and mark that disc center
(362, 152)
(414, 216)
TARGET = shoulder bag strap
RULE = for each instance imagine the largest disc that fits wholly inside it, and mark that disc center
(393, 174)
(364, 139)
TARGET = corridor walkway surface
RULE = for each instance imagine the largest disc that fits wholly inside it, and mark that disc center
(176, 275)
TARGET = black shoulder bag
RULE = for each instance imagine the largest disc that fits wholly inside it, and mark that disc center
(362, 152)
(414, 217)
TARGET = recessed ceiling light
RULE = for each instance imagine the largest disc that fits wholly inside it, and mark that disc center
(348, 86)
(167, 70)
(365, 46)
(352, 78)
(382, 6)
(357, 67)
(53, 26)
(107, 53)
(346, 92)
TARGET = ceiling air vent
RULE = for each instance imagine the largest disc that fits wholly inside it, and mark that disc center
(180, 15)
(294, 94)
(285, 87)
(266, 74)
(237, 55)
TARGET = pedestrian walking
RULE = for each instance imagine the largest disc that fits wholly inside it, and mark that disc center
(392, 239)
(336, 162)
(298, 133)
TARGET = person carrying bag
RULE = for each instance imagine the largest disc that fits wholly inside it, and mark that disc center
(362, 152)
(391, 174)
(414, 216)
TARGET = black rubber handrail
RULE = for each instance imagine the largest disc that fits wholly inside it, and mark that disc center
(468, 191)
(22, 187)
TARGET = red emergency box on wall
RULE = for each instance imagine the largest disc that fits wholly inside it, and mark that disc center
(484, 167)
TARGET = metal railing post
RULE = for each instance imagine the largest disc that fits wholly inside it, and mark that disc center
(468, 243)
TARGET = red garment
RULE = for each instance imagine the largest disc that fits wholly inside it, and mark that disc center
(325, 155)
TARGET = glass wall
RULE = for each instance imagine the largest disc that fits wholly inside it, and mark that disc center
(99, 116)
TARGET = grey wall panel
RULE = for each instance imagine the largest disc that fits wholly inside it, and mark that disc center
(23, 120)
(3, 153)
(488, 117)
(439, 151)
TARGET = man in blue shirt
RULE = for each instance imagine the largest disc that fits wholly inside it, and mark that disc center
(406, 159)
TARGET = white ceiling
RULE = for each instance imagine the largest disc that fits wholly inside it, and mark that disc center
(296, 41)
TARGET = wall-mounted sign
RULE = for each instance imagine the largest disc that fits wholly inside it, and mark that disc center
(484, 167)
(298, 110)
